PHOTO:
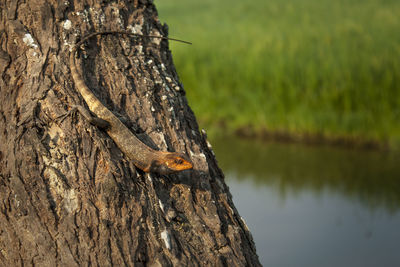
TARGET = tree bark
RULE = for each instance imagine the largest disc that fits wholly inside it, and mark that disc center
(69, 197)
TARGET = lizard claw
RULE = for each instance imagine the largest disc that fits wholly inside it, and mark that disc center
(71, 112)
(103, 124)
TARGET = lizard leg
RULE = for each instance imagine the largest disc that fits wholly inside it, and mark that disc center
(103, 124)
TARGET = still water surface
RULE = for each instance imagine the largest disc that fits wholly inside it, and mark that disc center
(315, 206)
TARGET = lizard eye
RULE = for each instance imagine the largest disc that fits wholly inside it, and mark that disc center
(178, 161)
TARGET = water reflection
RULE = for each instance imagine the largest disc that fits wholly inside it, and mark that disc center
(315, 206)
(371, 177)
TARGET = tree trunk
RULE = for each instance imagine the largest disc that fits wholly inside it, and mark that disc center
(69, 197)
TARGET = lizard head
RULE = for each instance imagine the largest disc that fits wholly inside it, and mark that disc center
(170, 162)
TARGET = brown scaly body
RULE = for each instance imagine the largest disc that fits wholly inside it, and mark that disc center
(144, 157)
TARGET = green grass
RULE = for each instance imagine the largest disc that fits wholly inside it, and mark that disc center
(297, 66)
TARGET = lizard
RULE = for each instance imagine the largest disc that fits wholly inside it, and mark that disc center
(142, 156)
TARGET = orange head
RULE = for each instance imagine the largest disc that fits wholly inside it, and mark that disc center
(170, 162)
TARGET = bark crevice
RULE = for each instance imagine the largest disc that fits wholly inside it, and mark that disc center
(69, 196)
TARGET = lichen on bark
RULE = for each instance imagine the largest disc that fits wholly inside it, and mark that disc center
(69, 197)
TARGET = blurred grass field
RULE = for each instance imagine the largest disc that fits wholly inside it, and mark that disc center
(322, 67)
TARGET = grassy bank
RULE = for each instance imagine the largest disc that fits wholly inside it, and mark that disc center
(330, 68)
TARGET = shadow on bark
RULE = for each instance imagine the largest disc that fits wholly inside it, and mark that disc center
(69, 197)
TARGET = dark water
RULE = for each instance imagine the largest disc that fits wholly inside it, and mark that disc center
(315, 206)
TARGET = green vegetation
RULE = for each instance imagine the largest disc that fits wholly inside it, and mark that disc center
(297, 66)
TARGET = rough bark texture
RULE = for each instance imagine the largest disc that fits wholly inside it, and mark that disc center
(68, 195)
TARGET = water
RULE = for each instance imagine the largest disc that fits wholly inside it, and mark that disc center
(315, 206)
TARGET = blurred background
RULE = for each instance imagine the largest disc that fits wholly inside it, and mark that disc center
(315, 72)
